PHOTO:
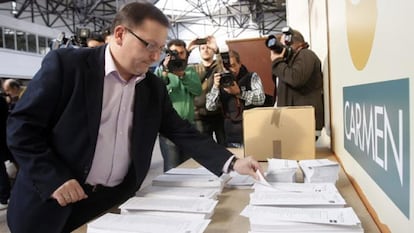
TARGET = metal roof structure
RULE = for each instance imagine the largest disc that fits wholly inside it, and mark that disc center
(235, 16)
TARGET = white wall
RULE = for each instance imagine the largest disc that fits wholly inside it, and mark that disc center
(15, 64)
(369, 45)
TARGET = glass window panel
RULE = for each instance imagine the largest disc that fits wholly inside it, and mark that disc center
(21, 41)
(42, 45)
(9, 38)
(31, 43)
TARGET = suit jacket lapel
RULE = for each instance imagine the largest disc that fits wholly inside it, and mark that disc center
(94, 81)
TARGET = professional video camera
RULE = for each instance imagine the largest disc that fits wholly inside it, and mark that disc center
(274, 44)
(77, 41)
(227, 77)
(175, 63)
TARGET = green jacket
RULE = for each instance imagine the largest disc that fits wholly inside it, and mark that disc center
(182, 91)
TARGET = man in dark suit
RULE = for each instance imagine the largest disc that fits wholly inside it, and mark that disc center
(84, 131)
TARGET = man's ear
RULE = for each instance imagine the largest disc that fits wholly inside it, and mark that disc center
(119, 34)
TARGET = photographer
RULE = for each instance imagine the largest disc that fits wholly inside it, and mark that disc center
(14, 91)
(236, 90)
(208, 122)
(182, 84)
(299, 75)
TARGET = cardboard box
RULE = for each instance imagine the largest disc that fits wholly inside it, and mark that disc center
(283, 132)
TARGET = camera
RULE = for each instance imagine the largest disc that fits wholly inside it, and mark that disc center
(76, 41)
(274, 44)
(225, 57)
(200, 41)
(175, 63)
(226, 79)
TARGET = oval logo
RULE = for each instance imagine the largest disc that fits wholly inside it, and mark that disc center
(361, 20)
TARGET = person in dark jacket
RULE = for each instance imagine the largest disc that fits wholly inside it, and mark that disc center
(245, 91)
(84, 131)
(299, 77)
(208, 122)
(5, 155)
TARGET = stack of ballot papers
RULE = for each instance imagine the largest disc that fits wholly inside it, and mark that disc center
(319, 170)
(118, 223)
(281, 170)
(163, 206)
(277, 219)
(178, 192)
(297, 195)
(190, 171)
(299, 207)
(190, 177)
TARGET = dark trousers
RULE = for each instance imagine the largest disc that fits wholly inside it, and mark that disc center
(171, 154)
(31, 214)
(212, 125)
(4, 184)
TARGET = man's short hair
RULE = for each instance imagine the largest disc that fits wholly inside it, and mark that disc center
(297, 36)
(176, 42)
(235, 54)
(12, 83)
(133, 14)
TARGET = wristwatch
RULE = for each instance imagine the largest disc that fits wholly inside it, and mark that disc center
(231, 165)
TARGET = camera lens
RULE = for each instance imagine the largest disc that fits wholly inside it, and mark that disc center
(271, 42)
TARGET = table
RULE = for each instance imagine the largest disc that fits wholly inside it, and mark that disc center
(227, 219)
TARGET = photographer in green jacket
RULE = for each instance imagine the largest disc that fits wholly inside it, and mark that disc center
(183, 84)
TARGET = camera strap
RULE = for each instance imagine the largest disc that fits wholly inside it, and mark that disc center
(209, 72)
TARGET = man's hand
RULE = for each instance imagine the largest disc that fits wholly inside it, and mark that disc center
(212, 44)
(274, 55)
(69, 192)
(217, 78)
(233, 89)
(166, 61)
(248, 166)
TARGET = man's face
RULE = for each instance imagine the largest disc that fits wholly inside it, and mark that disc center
(12, 92)
(137, 48)
(234, 66)
(182, 52)
(206, 53)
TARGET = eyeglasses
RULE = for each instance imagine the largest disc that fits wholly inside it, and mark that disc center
(149, 46)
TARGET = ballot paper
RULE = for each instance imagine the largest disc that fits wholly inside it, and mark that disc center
(281, 170)
(319, 170)
(297, 199)
(297, 187)
(178, 192)
(166, 214)
(276, 219)
(190, 171)
(163, 204)
(261, 180)
(184, 180)
(240, 181)
(117, 223)
(334, 216)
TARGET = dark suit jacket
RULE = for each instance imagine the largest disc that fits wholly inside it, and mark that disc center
(52, 131)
